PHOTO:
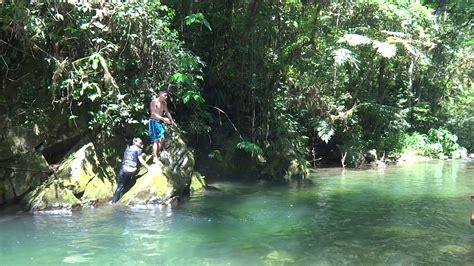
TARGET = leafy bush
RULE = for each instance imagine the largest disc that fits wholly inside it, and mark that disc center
(445, 141)
(415, 141)
(437, 143)
(104, 61)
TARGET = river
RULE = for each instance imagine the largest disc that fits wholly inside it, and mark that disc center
(409, 214)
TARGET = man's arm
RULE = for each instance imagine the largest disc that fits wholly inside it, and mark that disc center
(168, 114)
(141, 159)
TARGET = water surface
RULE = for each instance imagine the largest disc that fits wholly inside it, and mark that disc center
(412, 214)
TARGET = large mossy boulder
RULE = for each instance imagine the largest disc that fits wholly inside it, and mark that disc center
(52, 195)
(81, 179)
(152, 188)
(160, 184)
(25, 149)
(84, 178)
(22, 168)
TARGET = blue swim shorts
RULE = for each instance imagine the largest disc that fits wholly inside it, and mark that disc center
(157, 130)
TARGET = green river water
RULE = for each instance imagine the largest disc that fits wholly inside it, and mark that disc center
(410, 214)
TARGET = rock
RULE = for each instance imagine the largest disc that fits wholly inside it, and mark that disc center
(197, 182)
(378, 164)
(15, 141)
(51, 196)
(371, 155)
(80, 168)
(296, 170)
(463, 153)
(81, 179)
(21, 167)
(177, 155)
(98, 189)
(85, 179)
(278, 257)
(162, 184)
(410, 156)
(152, 188)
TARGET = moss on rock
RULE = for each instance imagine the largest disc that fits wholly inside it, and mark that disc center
(52, 196)
(98, 189)
(80, 179)
(83, 179)
(76, 171)
(153, 187)
(197, 182)
(297, 169)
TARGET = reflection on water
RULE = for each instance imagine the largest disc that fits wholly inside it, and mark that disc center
(409, 214)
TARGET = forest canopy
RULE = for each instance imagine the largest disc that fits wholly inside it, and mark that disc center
(273, 83)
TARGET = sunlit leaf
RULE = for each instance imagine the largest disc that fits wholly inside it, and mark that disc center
(325, 130)
(98, 25)
(342, 56)
(387, 50)
(355, 39)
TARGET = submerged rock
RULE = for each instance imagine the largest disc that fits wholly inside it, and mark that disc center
(454, 249)
(278, 257)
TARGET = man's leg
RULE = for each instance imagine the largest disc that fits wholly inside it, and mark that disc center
(162, 144)
(130, 183)
(120, 187)
(156, 150)
(159, 146)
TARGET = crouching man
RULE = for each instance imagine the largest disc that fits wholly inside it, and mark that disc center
(129, 169)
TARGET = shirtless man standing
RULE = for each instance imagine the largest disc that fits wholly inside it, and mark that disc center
(158, 111)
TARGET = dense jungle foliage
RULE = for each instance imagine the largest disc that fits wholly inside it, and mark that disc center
(268, 84)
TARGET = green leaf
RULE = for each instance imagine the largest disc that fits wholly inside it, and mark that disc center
(355, 39)
(215, 154)
(197, 18)
(179, 77)
(85, 26)
(342, 56)
(387, 50)
(325, 130)
(249, 147)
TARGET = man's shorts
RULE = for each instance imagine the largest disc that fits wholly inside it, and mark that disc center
(157, 130)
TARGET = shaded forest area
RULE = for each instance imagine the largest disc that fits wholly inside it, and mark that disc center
(278, 86)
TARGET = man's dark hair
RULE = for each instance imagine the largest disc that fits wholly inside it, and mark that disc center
(137, 141)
